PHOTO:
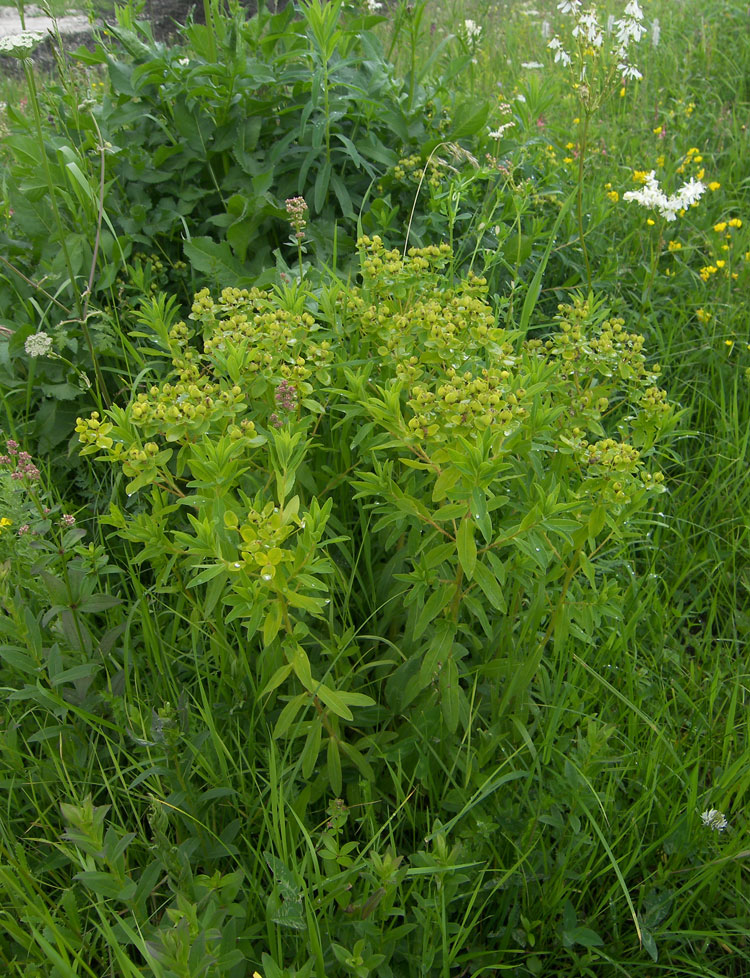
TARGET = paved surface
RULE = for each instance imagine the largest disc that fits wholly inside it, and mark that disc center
(10, 22)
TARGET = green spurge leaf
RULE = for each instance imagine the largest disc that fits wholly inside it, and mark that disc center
(466, 546)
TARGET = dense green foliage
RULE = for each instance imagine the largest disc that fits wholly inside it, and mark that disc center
(374, 557)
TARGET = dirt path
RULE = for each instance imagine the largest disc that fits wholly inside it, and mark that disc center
(10, 22)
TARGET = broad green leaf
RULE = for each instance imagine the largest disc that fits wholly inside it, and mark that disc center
(288, 714)
(333, 701)
(467, 548)
(276, 679)
(273, 620)
(311, 749)
(490, 587)
(450, 694)
(438, 650)
(432, 608)
(334, 766)
(301, 666)
(214, 260)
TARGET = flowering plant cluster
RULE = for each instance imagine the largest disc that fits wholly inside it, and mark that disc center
(714, 820)
(38, 345)
(490, 456)
(652, 197)
(21, 45)
(588, 36)
(297, 209)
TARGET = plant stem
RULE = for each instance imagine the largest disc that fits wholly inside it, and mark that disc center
(579, 198)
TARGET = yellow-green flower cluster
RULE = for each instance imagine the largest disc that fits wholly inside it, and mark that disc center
(94, 434)
(436, 325)
(262, 535)
(464, 403)
(250, 344)
(274, 340)
(610, 350)
(411, 169)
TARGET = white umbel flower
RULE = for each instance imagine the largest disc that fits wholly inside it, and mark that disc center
(21, 45)
(38, 345)
(715, 820)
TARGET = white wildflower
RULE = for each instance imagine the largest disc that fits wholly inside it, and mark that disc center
(629, 71)
(531, 64)
(653, 197)
(472, 30)
(560, 53)
(714, 820)
(546, 29)
(569, 6)
(655, 32)
(21, 45)
(633, 10)
(500, 131)
(38, 345)
(373, 6)
(183, 62)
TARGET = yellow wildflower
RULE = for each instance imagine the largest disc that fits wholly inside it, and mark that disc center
(650, 222)
(701, 173)
(657, 131)
(729, 343)
(674, 246)
(570, 146)
(567, 159)
(5, 522)
(640, 176)
(576, 121)
(613, 196)
(693, 151)
(622, 92)
(720, 263)
(735, 223)
(703, 316)
(721, 226)
(660, 161)
(714, 185)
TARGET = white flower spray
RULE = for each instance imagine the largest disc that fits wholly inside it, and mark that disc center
(653, 197)
(597, 57)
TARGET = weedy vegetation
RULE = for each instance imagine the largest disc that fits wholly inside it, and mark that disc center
(374, 555)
